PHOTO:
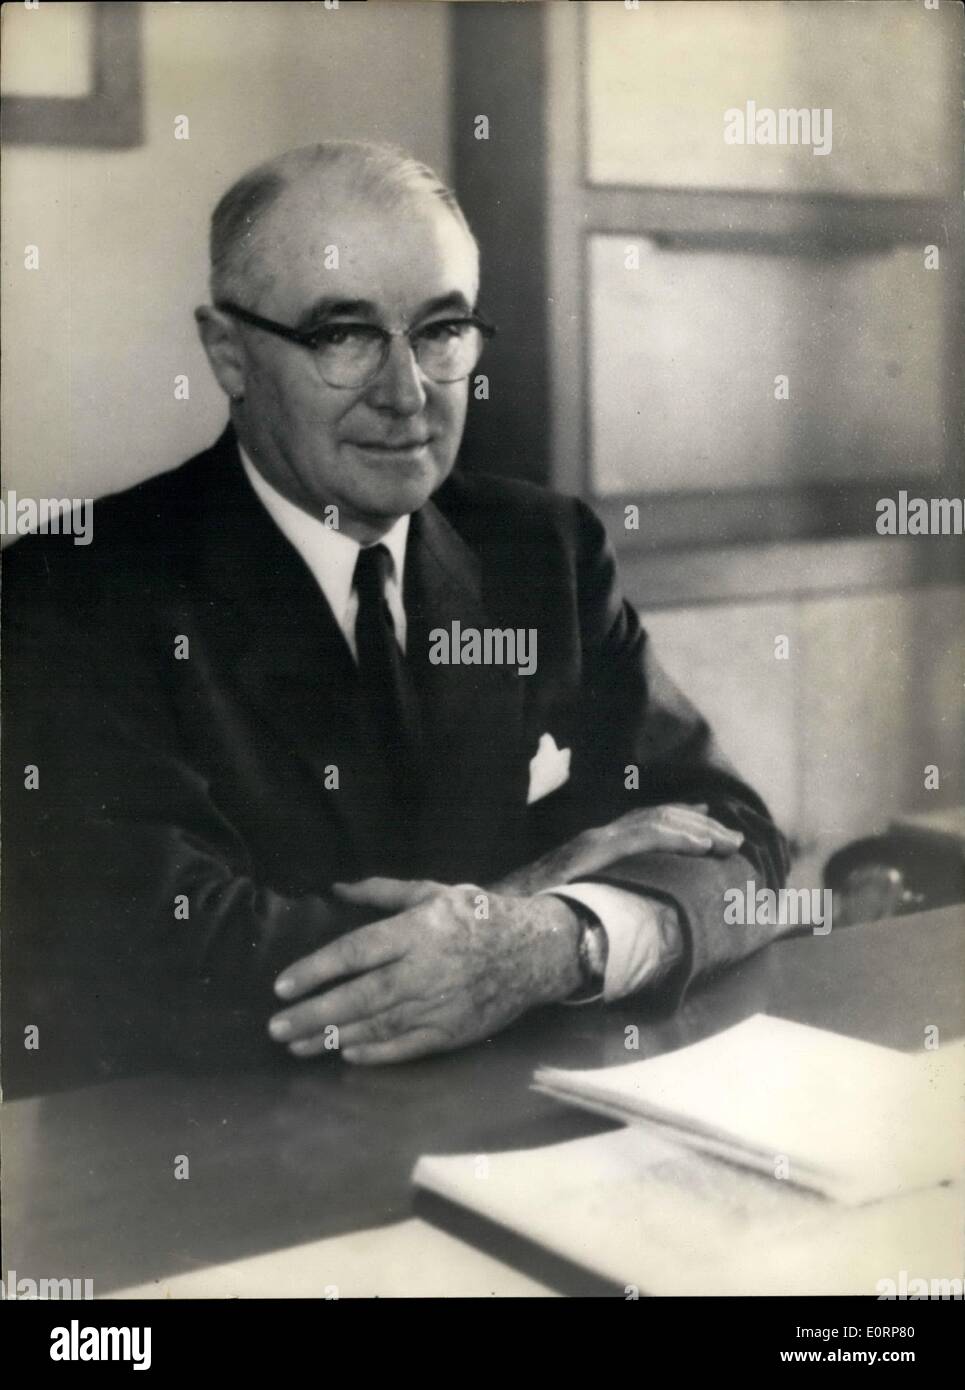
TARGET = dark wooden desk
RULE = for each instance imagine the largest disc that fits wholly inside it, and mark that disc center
(298, 1151)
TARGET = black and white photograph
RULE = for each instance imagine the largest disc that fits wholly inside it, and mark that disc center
(483, 788)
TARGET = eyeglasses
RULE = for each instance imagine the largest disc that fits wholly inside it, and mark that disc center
(350, 355)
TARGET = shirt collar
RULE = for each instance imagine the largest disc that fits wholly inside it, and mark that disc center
(329, 554)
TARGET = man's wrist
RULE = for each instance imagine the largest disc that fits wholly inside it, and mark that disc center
(562, 930)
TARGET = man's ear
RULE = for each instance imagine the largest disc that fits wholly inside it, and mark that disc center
(220, 341)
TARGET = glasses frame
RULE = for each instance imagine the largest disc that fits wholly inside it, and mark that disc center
(309, 337)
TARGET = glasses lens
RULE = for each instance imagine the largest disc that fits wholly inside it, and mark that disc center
(448, 351)
(349, 356)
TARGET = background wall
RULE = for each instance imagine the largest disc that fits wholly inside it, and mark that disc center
(93, 340)
(837, 737)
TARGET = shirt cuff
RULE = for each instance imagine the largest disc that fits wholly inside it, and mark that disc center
(643, 935)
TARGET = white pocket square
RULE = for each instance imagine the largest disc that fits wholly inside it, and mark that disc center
(549, 768)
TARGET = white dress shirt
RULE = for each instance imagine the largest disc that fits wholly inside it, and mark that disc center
(331, 556)
(643, 938)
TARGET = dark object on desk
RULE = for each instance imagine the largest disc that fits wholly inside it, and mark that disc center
(917, 865)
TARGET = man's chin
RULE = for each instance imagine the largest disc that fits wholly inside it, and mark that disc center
(401, 487)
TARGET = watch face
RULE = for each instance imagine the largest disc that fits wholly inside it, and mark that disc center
(592, 951)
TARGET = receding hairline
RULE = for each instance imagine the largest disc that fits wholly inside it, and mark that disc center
(380, 175)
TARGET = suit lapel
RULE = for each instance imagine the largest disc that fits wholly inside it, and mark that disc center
(292, 665)
(472, 715)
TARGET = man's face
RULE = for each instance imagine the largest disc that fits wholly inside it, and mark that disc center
(379, 450)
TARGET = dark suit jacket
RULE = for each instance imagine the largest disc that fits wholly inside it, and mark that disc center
(164, 780)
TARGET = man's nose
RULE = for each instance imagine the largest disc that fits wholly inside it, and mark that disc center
(399, 385)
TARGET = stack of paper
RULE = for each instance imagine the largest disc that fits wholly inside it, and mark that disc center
(656, 1218)
(844, 1118)
(771, 1159)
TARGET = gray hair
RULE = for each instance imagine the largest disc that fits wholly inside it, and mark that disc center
(382, 173)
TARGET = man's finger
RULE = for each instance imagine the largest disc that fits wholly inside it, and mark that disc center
(723, 838)
(379, 1028)
(673, 820)
(354, 1001)
(402, 1049)
(403, 1017)
(686, 841)
(363, 949)
(392, 894)
(691, 816)
(683, 841)
(705, 825)
(311, 1047)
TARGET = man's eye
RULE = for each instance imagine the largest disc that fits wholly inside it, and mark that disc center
(338, 334)
(444, 329)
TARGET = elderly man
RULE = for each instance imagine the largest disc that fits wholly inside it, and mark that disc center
(333, 741)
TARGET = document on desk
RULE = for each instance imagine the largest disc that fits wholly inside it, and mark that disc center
(649, 1214)
(771, 1158)
(847, 1119)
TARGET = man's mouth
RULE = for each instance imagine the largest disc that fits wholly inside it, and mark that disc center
(397, 449)
(399, 446)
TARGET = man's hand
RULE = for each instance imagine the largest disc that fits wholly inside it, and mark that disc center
(675, 829)
(432, 976)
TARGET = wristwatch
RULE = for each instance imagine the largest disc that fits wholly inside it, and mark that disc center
(593, 948)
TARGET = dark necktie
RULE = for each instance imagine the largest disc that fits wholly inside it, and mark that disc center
(389, 705)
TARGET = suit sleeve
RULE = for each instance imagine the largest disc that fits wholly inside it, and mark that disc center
(646, 744)
(134, 922)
